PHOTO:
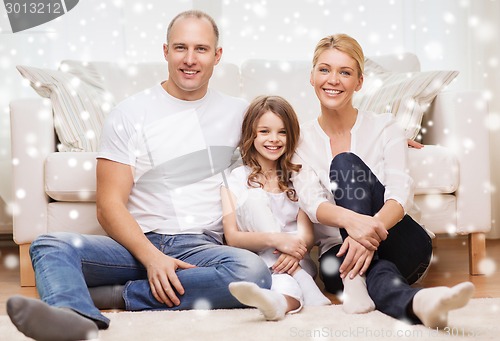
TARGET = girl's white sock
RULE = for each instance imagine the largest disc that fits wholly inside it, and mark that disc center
(310, 291)
(272, 304)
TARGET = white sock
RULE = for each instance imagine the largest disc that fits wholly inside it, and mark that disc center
(310, 291)
(432, 305)
(355, 297)
(272, 304)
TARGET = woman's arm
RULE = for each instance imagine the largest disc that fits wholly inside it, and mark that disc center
(390, 214)
(256, 241)
(368, 231)
(305, 229)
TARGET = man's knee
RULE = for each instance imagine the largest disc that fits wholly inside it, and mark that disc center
(59, 242)
(249, 267)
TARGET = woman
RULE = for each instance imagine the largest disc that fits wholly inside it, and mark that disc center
(355, 178)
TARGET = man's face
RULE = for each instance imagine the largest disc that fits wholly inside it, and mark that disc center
(191, 54)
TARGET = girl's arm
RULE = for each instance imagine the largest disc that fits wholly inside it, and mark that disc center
(256, 241)
(305, 231)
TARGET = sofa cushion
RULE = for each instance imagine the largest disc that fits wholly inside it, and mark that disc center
(289, 79)
(79, 106)
(434, 169)
(125, 79)
(78, 217)
(71, 176)
(120, 79)
(406, 95)
(438, 212)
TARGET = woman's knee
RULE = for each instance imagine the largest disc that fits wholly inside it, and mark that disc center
(346, 160)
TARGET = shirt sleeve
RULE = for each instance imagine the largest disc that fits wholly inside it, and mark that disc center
(118, 139)
(309, 189)
(398, 182)
(236, 182)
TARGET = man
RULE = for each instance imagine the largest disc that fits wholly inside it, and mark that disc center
(159, 170)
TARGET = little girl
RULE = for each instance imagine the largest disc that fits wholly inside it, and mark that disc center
(261, 211)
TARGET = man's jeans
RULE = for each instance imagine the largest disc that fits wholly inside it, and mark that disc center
(66, 263)
(399, 261)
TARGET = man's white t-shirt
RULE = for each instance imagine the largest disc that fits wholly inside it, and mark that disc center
(178, 151)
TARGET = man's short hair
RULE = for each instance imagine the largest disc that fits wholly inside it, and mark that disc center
(195, 14)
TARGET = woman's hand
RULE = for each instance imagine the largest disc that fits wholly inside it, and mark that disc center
(365, 229)
(290, 244)
(415, 144)
(285, 264)
(357, 259)
(163, 280)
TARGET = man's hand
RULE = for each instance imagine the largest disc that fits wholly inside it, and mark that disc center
(356, 261)
(163, 280)
(366, 230)
(285, 264)
(290, 244)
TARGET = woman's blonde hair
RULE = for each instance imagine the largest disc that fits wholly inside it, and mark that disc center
(280, 107)
(344, 43)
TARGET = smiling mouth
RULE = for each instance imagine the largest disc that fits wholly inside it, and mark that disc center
(332, 92)
(189, 72)
(273, 148)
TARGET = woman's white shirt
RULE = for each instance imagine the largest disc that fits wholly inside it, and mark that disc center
(375, 138)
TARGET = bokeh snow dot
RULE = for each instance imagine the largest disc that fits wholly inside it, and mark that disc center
(73, 214)
(487, 266)
(11, 262)
(330, 265)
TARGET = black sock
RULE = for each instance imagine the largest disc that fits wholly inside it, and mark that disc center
(41, 321)
(108, 297)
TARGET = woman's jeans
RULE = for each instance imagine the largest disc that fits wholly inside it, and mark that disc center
(67, 263)
(399, 261)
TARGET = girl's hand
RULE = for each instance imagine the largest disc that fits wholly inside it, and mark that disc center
(290, 244)
(285, 264)
(356, 261)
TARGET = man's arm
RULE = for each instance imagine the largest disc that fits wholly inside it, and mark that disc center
(114, 183)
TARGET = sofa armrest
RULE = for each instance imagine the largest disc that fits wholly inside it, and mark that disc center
(32, 139)
(458, 122)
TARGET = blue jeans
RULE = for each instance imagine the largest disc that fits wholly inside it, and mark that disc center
(66, 264)
(399, 261)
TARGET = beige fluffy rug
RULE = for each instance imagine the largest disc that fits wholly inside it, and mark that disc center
(479, 320)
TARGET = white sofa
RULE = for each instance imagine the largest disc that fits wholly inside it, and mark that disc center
(55, 191)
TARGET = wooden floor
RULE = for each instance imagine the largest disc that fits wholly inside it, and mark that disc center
(449, 267)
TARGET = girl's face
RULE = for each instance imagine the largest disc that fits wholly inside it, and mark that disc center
(271, 138)
(335, 79)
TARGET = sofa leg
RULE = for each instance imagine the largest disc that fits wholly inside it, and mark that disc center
(477, 252)
(26, 269)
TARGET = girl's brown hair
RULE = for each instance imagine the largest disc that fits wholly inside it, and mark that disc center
(280, 107)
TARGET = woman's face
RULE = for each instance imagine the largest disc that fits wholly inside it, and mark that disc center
(335, 79)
